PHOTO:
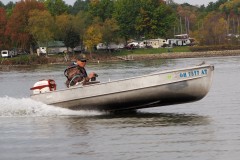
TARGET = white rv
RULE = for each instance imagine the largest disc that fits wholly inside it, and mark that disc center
(111, 46)
(101, 46)
(154, 43)
(178, 42)
(41, 50)
(8, 53)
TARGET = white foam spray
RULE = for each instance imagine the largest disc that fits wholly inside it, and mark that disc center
(26, 107)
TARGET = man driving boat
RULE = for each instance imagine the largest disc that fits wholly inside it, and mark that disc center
(76, 74)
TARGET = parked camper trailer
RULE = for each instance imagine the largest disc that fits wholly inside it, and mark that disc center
(41, 51)
(110, 46)
(101, 46)
(153, 43)
(178, 42)
(8, 53)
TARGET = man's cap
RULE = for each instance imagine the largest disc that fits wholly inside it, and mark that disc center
(82, 57)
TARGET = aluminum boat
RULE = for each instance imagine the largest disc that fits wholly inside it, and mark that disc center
(153, 90)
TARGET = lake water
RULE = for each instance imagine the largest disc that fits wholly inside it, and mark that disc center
(205, 130)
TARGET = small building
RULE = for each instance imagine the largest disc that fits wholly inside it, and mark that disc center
(53, 47)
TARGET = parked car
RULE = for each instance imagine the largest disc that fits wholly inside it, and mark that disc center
(41, 51)
(21, 52)
(111, 46)
(8, 53)
(78, 49)
(101, 46)
(132, 45)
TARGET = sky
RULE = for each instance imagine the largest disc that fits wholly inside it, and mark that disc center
(192, 2)
(195, 2)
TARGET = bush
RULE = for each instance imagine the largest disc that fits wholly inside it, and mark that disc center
(34, 59)
(24, 60)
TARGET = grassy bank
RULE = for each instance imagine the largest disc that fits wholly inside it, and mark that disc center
(153, 50)
(30, 60)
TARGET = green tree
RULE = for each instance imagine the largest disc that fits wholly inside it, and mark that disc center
(40, 26)
(56, 7)
(1, 5)
(125, 13)
(154, 19)
(9, 8)
(79, 6)
(109, 31)
(101, 8)
(72, 39)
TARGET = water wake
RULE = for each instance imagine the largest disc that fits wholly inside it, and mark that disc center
(26, 107)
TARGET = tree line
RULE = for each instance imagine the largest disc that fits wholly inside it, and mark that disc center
(28, 23)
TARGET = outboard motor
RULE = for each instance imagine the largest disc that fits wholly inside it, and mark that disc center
(43, 86)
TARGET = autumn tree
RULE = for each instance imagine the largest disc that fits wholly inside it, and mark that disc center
(3, 22)
(66, 30)
(64, 23)
(16, 27)
(109, 30)
(41, 26)
(232, 11)
(214, 30)
(82, 21)
(187, 18)
(92, 37)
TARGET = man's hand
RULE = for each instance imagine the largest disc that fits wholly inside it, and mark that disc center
(91, 75)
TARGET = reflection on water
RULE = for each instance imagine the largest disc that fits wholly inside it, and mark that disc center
(141, 119)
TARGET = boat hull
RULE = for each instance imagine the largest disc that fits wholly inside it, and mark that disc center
(153, 90)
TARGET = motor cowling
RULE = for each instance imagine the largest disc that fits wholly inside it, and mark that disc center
(43, 86)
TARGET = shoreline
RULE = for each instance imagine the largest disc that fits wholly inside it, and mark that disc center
(170, 55)
(138, 57)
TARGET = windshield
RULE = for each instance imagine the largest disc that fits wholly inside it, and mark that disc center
(5, 52)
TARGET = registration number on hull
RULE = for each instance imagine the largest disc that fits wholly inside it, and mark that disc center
(193, 73)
